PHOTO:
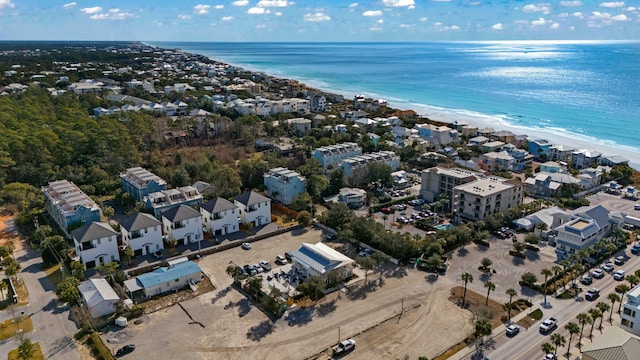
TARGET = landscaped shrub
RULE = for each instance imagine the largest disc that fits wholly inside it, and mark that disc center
(105, 354)
(481, 242)
(517, 254)
(532, 248)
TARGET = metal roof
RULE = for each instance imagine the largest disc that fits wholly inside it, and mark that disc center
(167, 274)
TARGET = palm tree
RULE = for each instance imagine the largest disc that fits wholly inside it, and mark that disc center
(603, 307)
(546, 273)
(637, 273)
(573, 329)
(467, 278)
(26, 349)
(623, 288)
(583, 319)
(613, 297)
(632, 279)
(490, 287)
(595, 313)
(547, 348)
(558, 341)
(511, 292)
(385, 217)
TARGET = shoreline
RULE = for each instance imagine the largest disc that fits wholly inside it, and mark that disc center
(498, 122)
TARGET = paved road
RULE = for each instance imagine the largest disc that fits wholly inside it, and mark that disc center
(527, 345)
(52, 327)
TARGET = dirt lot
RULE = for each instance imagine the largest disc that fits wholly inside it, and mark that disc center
(8, 231)
(234, 328)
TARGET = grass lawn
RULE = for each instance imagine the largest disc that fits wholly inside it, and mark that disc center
(8, 328)
(21, 291)
(37, 355)
(54, 274)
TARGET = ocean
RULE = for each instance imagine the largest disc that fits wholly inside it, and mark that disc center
(581, 94)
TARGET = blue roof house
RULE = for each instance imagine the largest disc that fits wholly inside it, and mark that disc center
(539, 147)
(176, 276)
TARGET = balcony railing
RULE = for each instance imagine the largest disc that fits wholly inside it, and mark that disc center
(86, 246)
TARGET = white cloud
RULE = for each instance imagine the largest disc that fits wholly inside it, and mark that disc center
(380, 21)
(631, 8)
(261, 26)
(273, 3)
(543, 8)
(201, 9)
(227, 18)
(113, 14)
(240, 3)
(497, 26)
(219, 7)
(571, 3)
(68, 5)
(578, 14)
(375, 28)
(278, 13)
(372, 13)
(398, 3)
(423, 19)
(317, 17)
(454, 27)
(621, 17)
(539, 22)
(353, 5)
(406, 26)
(563, 15)
(612, 4)
(555, 26)
(437, 23)
(258, 11)
(6, 4)
(184, 17)
(602, 18)
(91, 10)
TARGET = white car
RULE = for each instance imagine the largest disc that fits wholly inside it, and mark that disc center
(246, 246)
(608, 267)
(512, 330)
(618, 275)
(281, 260)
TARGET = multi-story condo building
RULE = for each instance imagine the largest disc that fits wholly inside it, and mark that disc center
(143, 233)
(441, 180)
(630, 316)
(253, 208)
(183, 224)
(141, 182)
(68, 205)
(330, 156)
(284, 185)
(220, 216)
(486, 196)
(96, 244)
(164, 200)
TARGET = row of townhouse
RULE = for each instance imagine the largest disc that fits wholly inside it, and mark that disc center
(332, 155)
(355, 168)
(265, 107)
(176, 108)
(578, 158)
(96, 243)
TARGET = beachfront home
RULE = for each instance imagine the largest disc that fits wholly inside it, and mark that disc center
(284, 185)
(584, 158)
(140, 182)
(220, 216)
(96, 244)
(539, 148)
(182, 224)
(142, 233)
(560, 153)
(253, 208)
(552, 167)
(68, 205)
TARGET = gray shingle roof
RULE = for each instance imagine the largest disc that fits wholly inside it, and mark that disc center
(250, 198)
(139, 221)
(180, 213)
(93, 230)
(218, 204)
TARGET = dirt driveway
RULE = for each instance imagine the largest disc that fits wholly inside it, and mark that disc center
(235, 329)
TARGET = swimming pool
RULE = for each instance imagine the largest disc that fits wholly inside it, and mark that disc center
(443, 227)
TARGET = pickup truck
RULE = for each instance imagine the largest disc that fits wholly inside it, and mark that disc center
(344, 347)
(548, 325)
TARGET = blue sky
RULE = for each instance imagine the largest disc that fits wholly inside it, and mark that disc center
(322, 20)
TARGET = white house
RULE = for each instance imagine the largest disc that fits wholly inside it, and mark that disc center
(220, 216)
(182, 223)
(319, 259)
(253, 208)
(143, 233)
(630, 316)
(96, 243)
(99, 297)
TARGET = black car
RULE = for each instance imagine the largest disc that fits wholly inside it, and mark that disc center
(287, 256)
(127, 349)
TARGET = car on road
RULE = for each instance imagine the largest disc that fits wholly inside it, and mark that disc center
(592, 294)
(281, 260)
(619, 260)
(618, 275)
(586, 280)
(637, 207)
(265, 265)
(512, 330)
(548, 325)
(597, 273)
(288, 256)
(385, 210)
(344, 347)
(635, 249)
(549, 357)
(608, 267)
(246, 246)
(127, 349)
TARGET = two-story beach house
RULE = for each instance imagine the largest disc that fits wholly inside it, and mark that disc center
(96, 244)
(141, 182)
(183, 224)
(220, 216)
(143, 233)
(253, 208)
(164, 200)
(68, 205)
(630, 316)
(284, 185)
(319, 260)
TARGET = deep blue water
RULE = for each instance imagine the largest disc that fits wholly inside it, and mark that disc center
(585, 92)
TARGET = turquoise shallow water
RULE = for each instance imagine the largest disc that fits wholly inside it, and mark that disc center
(581, 93)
